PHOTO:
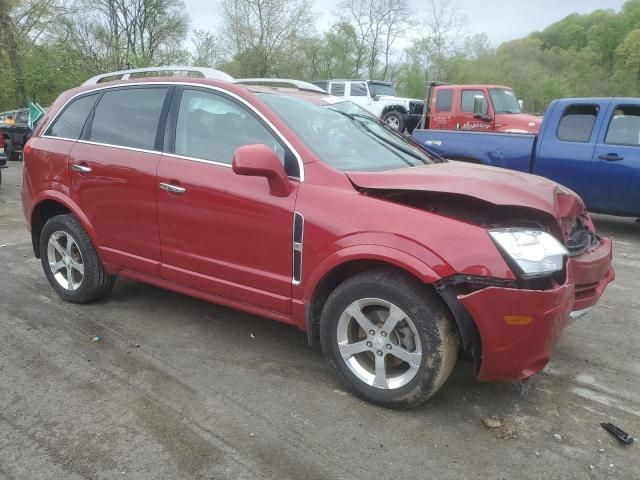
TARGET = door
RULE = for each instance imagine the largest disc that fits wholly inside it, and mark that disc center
(465, 119)
(441, 111)
(616, 162)
(359, 94)
(223, 233)
(113, 176)
(565, 154)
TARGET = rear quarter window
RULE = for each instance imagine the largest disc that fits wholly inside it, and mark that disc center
(128, 117)
(444, 100)
(70, 122)
(576, 124)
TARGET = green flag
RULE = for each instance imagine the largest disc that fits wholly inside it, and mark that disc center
(36, 112)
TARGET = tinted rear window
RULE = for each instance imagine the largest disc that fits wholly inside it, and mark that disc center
(577, 123)
(128, 117)
(69, 124)
(444, 100)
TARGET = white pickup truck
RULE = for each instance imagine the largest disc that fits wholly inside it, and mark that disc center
(380, 98)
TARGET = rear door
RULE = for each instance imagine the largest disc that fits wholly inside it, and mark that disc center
(616, 161)
(223, 233)
(113, 175)
(441, 113)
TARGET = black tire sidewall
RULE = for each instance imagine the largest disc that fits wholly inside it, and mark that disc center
(418, 303)
(93, 270)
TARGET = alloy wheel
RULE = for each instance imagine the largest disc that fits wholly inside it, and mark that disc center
(379, 343)
(65, 260)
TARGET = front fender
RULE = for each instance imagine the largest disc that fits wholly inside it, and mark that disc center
(381, 253)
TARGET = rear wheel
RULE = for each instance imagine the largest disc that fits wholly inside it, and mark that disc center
(389, 338)
(70, 261)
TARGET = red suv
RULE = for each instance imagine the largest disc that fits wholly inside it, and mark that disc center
(298, 206)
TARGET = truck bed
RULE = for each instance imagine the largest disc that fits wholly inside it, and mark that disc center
(507, 150)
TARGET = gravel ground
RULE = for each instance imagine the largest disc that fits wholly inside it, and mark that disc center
(178, 388)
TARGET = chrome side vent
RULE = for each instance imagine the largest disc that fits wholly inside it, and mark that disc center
(298, 235)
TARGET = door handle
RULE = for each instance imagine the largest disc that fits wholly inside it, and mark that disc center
(611, 157)
(167, 187)
(81, 168)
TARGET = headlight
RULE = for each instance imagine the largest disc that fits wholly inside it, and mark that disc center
(536, 253)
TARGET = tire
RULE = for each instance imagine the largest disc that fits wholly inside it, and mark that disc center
(395, 121)
(73, 268)
(423, 327)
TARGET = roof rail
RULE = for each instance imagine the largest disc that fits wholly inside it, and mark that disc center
(126, 74)
(281, 82)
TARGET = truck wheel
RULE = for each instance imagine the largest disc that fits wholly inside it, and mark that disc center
(70, 261)
(389, 338)
(395, 121)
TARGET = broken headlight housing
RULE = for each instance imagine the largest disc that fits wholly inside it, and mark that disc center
(535, 253)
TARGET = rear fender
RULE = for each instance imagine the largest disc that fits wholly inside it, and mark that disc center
(72, 206)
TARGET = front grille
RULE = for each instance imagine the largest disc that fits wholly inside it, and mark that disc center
(416, 107)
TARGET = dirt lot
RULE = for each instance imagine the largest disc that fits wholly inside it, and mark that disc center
(178, 388)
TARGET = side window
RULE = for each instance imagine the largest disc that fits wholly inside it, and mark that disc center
(444, 100)
(337, 89)
(624, 128)
(211, 127)
(70, 123)
(468, 98)
(358, 90)
(577, 123)
(128, 117)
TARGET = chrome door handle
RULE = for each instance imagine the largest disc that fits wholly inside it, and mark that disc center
(81, 168)
(167, 187)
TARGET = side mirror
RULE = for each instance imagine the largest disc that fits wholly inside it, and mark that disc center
(260, 161)
(375, 98)
(521, 103)
(478, 106)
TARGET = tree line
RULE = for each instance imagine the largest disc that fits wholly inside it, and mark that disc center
(47, 46)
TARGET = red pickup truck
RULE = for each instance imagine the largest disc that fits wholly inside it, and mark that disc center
(490, 108)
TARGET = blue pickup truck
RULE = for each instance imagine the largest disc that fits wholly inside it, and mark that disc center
(591, 145)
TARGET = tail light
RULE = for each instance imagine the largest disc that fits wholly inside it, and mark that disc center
(1, 140)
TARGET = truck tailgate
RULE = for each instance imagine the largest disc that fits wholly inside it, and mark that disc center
(507, 150)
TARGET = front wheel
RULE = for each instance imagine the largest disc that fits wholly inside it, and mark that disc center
(395, 121)
(389, 338)
(70, 261)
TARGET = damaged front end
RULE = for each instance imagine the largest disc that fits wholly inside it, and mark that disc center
(509, 327)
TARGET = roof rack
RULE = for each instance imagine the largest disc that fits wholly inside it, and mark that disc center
(281, 82)
(126, 74)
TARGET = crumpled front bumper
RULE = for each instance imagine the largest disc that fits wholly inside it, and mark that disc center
(519, 328)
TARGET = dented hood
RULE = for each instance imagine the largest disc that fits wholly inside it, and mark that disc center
(491, 184)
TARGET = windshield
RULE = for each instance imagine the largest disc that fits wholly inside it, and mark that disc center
(504, 100)
(346, 137)
(382, 89)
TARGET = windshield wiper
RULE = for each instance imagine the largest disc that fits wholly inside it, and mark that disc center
(356, 118)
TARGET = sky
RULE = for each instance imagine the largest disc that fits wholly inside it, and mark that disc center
(501, 20)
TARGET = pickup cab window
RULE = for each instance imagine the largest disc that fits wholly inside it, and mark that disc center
(468, 98)
(577, 123)
(444, 100)
(624, 128)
